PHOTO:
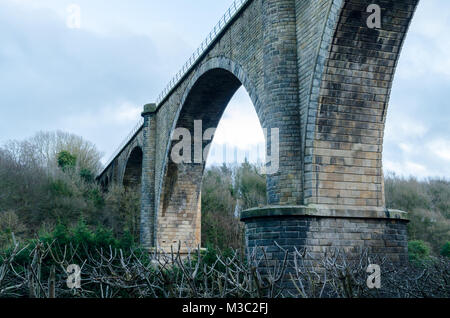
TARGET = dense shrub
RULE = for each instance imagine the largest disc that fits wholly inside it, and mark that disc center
(87, 175)
(226, 191)
(83, 236)
(122, 210)
(40, 270)
(428, 205)
(220, 225)
(250, 186)
(43, 195)
(82, 239)
(445, 251)
(418, 251)
(36, 195)
(10, 223)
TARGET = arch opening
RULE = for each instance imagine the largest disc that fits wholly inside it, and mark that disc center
(133, 171)
(105, 184)
(416, 137)
(179, 210)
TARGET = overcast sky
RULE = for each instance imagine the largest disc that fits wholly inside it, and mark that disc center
(94, 80)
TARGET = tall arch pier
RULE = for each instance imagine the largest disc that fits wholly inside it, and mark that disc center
(319, 75)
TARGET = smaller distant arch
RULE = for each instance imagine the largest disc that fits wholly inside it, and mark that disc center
(105, 183)
(133, 170)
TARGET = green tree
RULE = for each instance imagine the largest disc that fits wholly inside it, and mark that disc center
(66, 161)
(220, 226)
(121, 211)
(226, 191)
(50, 144)
(87, 175)
(250, 186)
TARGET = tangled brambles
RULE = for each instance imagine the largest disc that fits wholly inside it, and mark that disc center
(40, 270)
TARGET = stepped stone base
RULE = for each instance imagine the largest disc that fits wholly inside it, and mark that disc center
(318, 229)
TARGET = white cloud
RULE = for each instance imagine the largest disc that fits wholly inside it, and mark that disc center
(121, 114)
(403, 128)
(239, 135)
(427, 44)
(405, 147)
(239, 125)
(126, 112)
(406, 168)
(440, 148)
(114, 121)
(416, 169)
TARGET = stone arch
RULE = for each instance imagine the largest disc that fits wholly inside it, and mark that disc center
(226, 64)
(105, 184)
(344, 94)
(205, 98)
(344, 170)
(133, 169)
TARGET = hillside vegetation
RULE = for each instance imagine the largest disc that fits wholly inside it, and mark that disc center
(48, 181)
(428, 204)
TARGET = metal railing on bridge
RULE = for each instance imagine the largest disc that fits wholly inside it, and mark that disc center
(131, 134)
(204, 46)
(227, 17)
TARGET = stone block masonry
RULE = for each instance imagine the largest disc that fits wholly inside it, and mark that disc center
(382, 233)
(318, 73)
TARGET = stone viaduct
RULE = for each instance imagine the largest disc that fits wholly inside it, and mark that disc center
(317, 72)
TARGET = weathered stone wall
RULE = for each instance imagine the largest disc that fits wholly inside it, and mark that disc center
(344, 152)
(203, 95)
(385, 237)
(316, 21)
(280, 99)
(315, 237)
(315, 71)
(148, 215)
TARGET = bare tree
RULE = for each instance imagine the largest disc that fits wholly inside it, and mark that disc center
(49, 144)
